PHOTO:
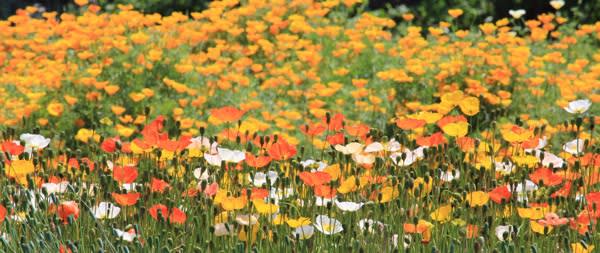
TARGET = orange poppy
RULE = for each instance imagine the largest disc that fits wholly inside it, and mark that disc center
(257, 161)
(313, 129)
(281, 150)
(12, 148)
(545, 176)
(126, 199)
(314, 178)
(153, 132)
(336, 123)
(358, 130)
(125, 174)
(227, 113)
(325, 191)
(499, 194)
(66, 209)
(432, 140)
(158, 185)
(409, 124)
(109, 145)
(336, 139)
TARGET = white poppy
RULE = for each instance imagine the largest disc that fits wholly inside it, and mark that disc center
(410, 157)
(574, 147)
(319, 166)
(304, 232)
(407, 240)
(129, 187)
(363, 158)
(201, 175)
(55, 187)
(246, 219)
(502, 230)
(203, 143)
(322, 201)
(106, 210)
(391, 146)
(448, 176)
(523, 189)
(549, 159)
(126, 235)
(260, 178)
(370, 225)
(348, 206)
(350, 148)
(578, 106)
(222, 229)
(557, 4)
(34, 142)
(223, 154)
(327, 225)
(504, 168)
(516, 14)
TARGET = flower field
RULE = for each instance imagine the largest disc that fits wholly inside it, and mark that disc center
(297, 126)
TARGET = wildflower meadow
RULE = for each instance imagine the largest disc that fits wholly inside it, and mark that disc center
(297, 126)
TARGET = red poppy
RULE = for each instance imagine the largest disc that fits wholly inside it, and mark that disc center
(126, 199)
(227, 113)
(336, 123)
(12, 148)
(73, 163)
(563, 191)
(409, 124)
(164, 211)
(125, 174)
(499, 194)
(336, 139)
(66, 209)
(3, 213)
(158, 185)
(211, 190)
(432, 140)
(109, 145)
(257, 161)
(281, 150)
(545, 176)
(177, 216)
(313, 129)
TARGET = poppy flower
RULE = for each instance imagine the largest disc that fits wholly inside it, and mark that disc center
(158, 185)
(327, 225)
(432, 140)
(125, 174)
(314, 178)
(336, 123)
(67, 209)
(409, 123)
(227, 114)
(257, 161)
(313, 129)
(152, 132)
(336, 139)
(545, 176)
(500, 194)
(281, 150)
(12, 148)
(126, 199)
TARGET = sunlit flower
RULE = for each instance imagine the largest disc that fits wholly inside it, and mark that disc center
(106, 210)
